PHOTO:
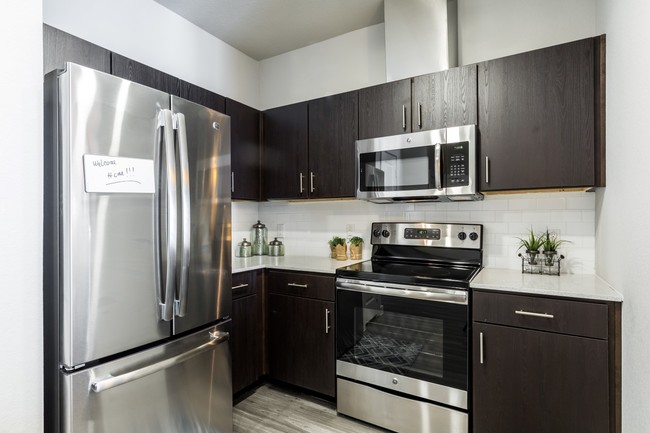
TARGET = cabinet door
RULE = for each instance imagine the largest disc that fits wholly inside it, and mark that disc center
(245, 342)
(202, 96)
(301, 346)
(245, 150)
(333, 131)
(444, 99)
(60, 47)
(538, 382)
(126, 68)
(536, 119)
(285, 152)
(385, 109)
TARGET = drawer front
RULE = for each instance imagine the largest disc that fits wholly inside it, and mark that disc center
(313, 286)
(243, 284)
(555, 315)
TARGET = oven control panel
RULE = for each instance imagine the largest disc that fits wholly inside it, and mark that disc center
(428, 234)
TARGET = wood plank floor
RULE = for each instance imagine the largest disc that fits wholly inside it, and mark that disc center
(271, 409)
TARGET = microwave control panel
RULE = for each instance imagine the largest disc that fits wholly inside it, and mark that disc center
(456, 165)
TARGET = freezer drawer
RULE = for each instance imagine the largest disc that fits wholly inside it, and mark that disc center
(182, 386)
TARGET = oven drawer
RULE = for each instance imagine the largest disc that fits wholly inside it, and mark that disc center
(313, 286)
(585, 319)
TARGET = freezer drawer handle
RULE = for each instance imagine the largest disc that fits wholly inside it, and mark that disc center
(216, 338)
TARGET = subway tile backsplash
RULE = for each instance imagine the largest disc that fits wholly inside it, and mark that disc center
(305, 227)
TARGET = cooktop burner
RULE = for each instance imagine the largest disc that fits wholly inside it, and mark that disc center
(428, 254)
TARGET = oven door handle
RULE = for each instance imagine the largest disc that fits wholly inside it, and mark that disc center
(403, 291)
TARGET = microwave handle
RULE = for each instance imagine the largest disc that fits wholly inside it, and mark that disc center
(437, 176)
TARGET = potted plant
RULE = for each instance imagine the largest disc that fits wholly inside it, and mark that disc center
(550, 243)
(356, 245)
(532, 244)
(338, 248)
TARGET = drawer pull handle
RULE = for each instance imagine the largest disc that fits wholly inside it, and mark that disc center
(304, 286)
(327, 321)
(528, 313)
(480, 340)
(240, 286)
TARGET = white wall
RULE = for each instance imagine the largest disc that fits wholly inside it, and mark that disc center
(623, 210)
(347, 62)
(21, 214)
(148, 32)
(497, 28)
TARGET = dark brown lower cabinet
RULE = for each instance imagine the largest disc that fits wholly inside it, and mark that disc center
(539, 382)
(246, 335)
(301, 333)
(545, 365)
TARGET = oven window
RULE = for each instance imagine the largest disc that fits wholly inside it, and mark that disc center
(396, 170)
(420, 339)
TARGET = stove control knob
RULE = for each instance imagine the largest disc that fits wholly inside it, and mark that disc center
(376, 233)
(473, 236)
(385, 233)
(462, 236)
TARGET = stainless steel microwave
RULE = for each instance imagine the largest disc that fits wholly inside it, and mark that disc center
(437, 165)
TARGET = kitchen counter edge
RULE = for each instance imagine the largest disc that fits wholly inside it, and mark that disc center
(324, 265)
(579, 286)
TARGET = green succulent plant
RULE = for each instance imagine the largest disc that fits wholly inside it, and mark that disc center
(356, 240)
(551, 241)
(533, 242)
(336, 240)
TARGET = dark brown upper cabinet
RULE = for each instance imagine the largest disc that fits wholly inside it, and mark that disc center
(203, 97)
(385, 109)
(540, 118)
(285, 161)
(333, 131)
(245, 151)
(444, 99)
(137, 72)
(60, 47)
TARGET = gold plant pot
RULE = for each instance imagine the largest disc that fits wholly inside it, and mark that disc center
(341, 252)
(355, 251)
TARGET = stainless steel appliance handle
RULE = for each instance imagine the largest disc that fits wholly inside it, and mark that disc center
(419, 115)
(301, 187)
(304, 286)
(487, 169)
(437, 174)
(480, 342)
(166, 306)
(186, 218)
(216, 338)
(240, 286)
(528, 313)
(311, 181)
(232, 181)
(404, 117)
(405, 291)
(327, 321)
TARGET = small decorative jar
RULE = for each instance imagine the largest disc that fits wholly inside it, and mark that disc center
(244, 249)
(276, 248)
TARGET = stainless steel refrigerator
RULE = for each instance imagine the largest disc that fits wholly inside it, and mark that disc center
(137, 259)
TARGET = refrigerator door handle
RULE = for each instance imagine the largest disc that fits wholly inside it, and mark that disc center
(183, 273)
(167, 304)
(109, 382)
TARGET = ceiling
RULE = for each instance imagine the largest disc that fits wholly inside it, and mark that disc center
(266, 28)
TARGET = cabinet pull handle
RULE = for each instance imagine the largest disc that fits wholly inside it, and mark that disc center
(304, 286)
(480, 346)
(301, 187)
(419, 115)
(487, 169)
(528, 313)
(404, 117)
(232, 181)
(311, 181)
(327, 321)
(240, 286)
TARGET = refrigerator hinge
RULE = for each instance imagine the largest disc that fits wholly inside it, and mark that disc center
(67, 369)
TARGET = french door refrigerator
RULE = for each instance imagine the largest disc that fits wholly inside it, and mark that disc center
(137, 283)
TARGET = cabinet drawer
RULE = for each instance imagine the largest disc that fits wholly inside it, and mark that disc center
(300, 284)
(555, 315)
(243, 284)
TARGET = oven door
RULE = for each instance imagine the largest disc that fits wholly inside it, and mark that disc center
(406, 339)
(400, 167)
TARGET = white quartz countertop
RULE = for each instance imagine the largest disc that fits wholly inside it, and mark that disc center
(290, 263)
(587, 286)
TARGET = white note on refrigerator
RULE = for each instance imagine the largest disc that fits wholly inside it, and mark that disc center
(116, 174)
